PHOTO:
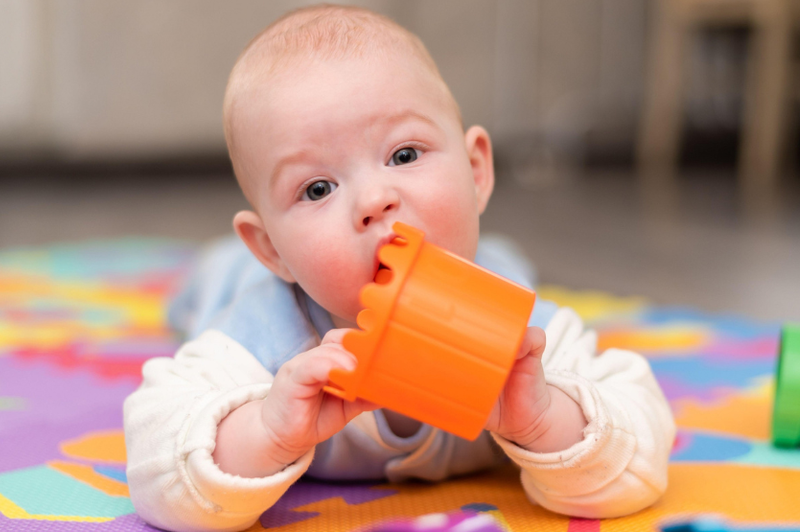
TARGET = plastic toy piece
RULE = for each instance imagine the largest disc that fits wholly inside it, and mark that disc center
(716, 524)
(458, 521)
(786, 412)
(439, 336)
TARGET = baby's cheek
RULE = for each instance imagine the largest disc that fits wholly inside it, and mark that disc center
(455, 227)
(335, 288)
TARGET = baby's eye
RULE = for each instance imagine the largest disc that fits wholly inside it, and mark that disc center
(318, 190)
(404, 156)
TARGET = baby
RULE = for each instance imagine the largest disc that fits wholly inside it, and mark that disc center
(338, 124)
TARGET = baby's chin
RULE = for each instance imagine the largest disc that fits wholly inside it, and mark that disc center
(342, 304)
(343, 313)
(345, 318)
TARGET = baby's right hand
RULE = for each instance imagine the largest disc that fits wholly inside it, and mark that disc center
(297, 414)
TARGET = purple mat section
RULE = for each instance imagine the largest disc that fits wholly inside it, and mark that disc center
(125, 523)
(306, 492)
(59, 404)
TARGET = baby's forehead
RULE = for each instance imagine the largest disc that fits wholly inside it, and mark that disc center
(264, 70)
(270, 90)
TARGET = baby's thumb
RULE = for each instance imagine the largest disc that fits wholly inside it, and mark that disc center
(533, 343)
(367, 406)
(357, 407)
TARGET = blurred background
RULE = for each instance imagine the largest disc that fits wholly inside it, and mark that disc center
(643, 147)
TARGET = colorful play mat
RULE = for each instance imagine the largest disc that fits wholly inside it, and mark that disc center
(77, 322)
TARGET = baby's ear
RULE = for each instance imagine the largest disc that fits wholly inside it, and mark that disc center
(250, 228)
(479, 150)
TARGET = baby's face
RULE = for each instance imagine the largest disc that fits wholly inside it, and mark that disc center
(338, 151)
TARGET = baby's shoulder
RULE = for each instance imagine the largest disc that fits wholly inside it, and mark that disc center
(268, 321)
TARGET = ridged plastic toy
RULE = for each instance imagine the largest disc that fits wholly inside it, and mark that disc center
(438, 336)
(786, 409)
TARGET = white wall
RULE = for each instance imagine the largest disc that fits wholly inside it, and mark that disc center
(23, 75)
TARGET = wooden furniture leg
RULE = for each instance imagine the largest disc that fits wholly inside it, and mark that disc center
(660, 132)
(765, 108)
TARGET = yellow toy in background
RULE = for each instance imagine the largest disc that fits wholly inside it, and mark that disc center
(438, 336)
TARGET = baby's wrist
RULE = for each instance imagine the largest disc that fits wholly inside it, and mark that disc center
(246, 447)
(278, 451)
(558, 428)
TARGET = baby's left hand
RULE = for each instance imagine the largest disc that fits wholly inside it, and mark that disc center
(525, 399)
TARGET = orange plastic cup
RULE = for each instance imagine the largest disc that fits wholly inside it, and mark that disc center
(439, 336)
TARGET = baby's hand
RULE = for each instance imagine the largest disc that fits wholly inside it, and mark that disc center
(530, 413)
(297, 414)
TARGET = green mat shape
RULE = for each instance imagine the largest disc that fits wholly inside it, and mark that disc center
(45, 491)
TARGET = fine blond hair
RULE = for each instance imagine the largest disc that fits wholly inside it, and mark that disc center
(319, 32)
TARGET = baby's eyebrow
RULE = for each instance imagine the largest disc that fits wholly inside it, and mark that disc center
(407, 114)
(292, 158)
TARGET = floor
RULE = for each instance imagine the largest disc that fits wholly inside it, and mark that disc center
(695, 243)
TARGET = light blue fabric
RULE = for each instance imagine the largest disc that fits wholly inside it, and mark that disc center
(232, 292)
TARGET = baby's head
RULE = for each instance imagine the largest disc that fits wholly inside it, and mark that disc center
(338, 124)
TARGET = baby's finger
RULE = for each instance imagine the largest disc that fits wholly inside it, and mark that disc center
(312, 368)
(533, 343)
(335, 406)
(366, 406)
(334, 336)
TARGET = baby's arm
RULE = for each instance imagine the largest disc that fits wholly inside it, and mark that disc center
(171, 431)
(619, 463)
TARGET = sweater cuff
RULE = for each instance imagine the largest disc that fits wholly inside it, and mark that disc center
(601, 456)
(216, 490)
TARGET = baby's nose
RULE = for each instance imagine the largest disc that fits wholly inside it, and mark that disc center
(375, 205)
(368, 219)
